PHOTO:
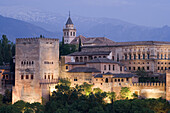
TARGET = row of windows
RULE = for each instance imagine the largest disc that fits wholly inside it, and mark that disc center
(71, 33)
(163, 68)
(116, 80)
(163, 63)
(111, 67)
(134, 56)
(49, 43)
(49, 76)
(47, 62)
(84, 59)
(160, 56)
(138, 63)
(139, 68)
(27, 77)
(27, 62)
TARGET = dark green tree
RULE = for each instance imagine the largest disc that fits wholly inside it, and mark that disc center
(79, 48)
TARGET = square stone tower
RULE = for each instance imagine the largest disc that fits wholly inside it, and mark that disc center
(37, 59)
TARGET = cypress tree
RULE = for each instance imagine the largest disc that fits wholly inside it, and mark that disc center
(79, 49)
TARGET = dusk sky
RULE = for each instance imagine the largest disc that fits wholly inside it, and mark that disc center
(141, 12)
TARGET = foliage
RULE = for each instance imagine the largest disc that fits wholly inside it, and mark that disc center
(87, 88)
(125, 93)
(66, 49)
(72, 100)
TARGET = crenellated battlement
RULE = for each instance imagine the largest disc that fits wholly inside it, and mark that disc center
(35, 39)
(157, 84)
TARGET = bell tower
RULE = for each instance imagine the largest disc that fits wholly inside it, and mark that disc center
(69, 32)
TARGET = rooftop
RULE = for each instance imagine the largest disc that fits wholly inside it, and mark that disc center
(122, 75)
(103, 60)
(84, 69)
(69, 21)
(117, 44)
(90, 53)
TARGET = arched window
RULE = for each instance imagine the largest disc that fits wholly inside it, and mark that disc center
(27, 76)
(32, 62)
(32, 76)
(77, 59)
(22, 62)
(22, 76)
(48, 76)
(52, 76)
(106, 80)
(29, 62)
(44, 76)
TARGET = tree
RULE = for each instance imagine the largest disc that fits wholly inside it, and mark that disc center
(87, 88)
(79, 48)
(125, 93)
(111, 96)
(7, 97)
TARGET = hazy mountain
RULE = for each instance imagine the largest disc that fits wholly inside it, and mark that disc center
(19, 29)
(114, 29)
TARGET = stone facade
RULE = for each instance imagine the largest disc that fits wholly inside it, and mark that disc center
(37, 62)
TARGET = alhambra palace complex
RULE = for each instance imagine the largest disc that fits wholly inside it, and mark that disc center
(106, 64)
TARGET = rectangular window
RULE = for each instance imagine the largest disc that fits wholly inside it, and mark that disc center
(22, 76)
(143, 56)
(109, 67)
(120, 68)
(165, 56)
(113, 58)
(113, 67)
(138, 56)
(118, 57)
(134, 56)
(104, 67)
(161, 56)
(66, 67)
(147, 67)
(127, 79)
(157, 55)
(148, 56)
(134, 68)
(125, 56)
(27, 76)
(130, 56)
(129, 68)
(138, 68)
(32, 76)
(73, 33)
(158, 68)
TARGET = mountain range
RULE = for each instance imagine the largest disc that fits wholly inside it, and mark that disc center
(23, 22)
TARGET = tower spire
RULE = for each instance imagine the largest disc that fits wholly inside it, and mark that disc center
(69, 13)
